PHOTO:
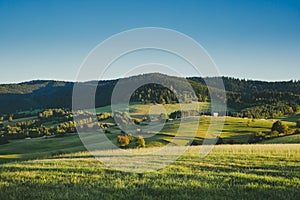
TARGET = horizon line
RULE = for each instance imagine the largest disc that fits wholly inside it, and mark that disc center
(117, 78)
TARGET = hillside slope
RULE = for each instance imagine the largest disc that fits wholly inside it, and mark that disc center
(244, 96)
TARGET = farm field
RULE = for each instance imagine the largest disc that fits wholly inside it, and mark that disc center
(268, 171)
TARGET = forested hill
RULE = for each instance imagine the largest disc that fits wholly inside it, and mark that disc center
(245, 97)
(252, 86)
(32, 86)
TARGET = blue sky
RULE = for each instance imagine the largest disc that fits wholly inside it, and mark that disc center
(247, 39)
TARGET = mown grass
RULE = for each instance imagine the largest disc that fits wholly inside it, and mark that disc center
(229, 172)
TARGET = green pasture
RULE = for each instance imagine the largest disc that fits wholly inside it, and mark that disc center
(268, 171)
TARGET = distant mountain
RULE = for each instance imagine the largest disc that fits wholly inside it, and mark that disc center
(244, 97)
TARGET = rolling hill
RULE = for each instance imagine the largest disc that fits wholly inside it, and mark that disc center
(246, 98)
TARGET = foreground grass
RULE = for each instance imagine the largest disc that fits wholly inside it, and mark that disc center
(229, 172)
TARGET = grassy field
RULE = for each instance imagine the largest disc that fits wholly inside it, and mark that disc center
(235, 130)
(229, 172)
(61, 168)
(291, 139)
(39, 147)
(143, 109)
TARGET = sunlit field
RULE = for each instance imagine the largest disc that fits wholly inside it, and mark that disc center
(229, 172)
(61, 168)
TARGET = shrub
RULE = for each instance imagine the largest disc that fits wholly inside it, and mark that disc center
(10, 118)
(146, 118)
(260, 134)
(131, 138)
(297, 131)
(280, 127)
(137, 121)
(290, 132)
(140, 142)
(123, 140)
(275, 134)
(103, 116)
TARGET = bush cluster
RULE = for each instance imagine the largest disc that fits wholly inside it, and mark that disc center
(125, 140)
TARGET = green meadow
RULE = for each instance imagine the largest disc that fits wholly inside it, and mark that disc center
(61, 168)
(269, 171)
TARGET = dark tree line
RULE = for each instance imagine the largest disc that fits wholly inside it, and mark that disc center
(61, 119)
(267, 111)
(182, 114)
(241, 94)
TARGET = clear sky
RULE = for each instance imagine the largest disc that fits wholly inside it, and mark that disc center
(247, 39)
